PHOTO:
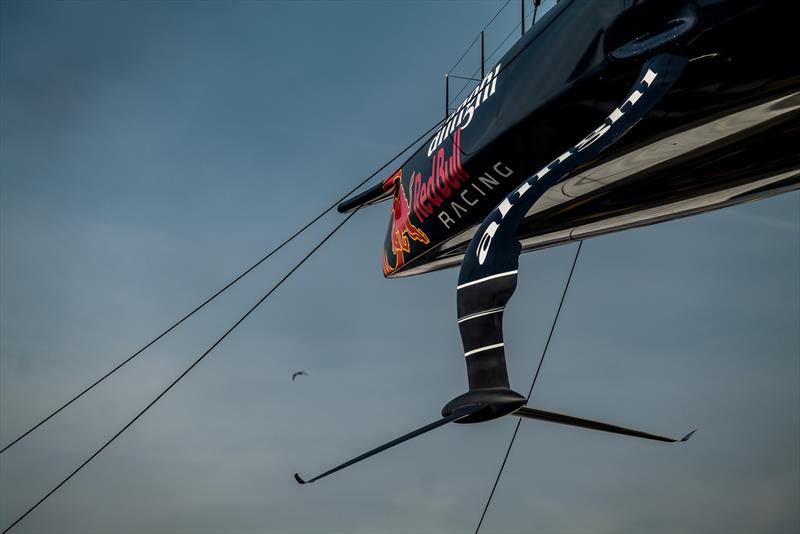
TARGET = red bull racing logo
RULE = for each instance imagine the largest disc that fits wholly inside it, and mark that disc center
(402, 230)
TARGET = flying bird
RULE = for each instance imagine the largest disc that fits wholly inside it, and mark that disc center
(298, 373)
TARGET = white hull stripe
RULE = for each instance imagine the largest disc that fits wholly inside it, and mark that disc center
(480, 314)
(481, 280)
(488, 347)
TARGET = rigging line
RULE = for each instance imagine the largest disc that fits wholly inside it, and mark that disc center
(475, 39)
(514, 29)
(185, 372)
(218, 293)
(496, 14)
(533, 383)
(455, 98)
(555, 320)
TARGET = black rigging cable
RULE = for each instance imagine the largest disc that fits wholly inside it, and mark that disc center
(257, 304)
(490, 56)
(477, 35)
(247, 271)
(474, 40)
(513, 30)
(496, 14)
(530, 391)
(251, 268)
(218, 293)
(185, 372)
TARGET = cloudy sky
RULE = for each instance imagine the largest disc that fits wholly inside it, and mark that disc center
(151, 151)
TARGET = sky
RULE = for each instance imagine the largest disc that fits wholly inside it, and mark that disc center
(151, 151)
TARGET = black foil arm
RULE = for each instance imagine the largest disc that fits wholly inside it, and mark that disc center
(464, 412)
(564, 419)
(488, 275)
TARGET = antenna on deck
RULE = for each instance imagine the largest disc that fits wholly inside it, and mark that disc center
(446, 95)
(483, 61)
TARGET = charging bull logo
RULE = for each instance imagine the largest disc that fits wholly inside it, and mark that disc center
(402, 229)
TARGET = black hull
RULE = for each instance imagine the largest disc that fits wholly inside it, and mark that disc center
(726, 133)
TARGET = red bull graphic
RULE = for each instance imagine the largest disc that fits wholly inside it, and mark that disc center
(447, 176)
(402, 229)
(434, 201)
(705, 149)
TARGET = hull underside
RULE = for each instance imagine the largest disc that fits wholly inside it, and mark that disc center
(738, 157)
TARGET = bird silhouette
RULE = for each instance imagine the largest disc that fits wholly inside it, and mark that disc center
(298, 373)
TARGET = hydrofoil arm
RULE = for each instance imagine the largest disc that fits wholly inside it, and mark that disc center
(564, 419)
(468, 410)
(488, 275)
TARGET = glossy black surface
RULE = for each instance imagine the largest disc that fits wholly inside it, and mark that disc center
(564, 419)
(488, 275)
(455, 415)
(725, 134)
